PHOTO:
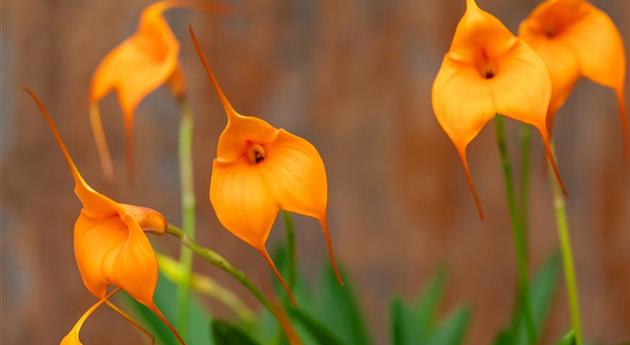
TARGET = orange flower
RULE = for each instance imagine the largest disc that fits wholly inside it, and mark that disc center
(259, 170)
(135, 68)
(486, 71)
(576, 39)
(110, 245)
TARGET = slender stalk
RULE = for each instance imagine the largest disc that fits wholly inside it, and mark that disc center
(291, 260)
(559, 206)
(207, 286)
(219, 261)
(526, 144)
(517, 231)
(188, 212)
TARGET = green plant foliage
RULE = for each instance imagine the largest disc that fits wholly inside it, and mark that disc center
(541, 288)
(318, 332)
(568, 339)
(198, 320)
(224, 333)
(415, 323)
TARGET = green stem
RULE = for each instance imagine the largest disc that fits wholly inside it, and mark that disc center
(559, 206)
(526, 144)
(291, 260)
(207, 286)
(517, 231)
(219, 261)
(188, 212)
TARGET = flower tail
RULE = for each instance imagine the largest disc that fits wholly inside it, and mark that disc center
(229, 110)
(469, 180)
(101, 142)
(72, 338)
(131, 320)
(552, 160)
(331, 253)
(51, 124)
(168, 324)
(265, 254)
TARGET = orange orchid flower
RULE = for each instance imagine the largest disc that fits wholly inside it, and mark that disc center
(135, 68)
(110, 245)
(576, 39)
(259, 170)
(489, 71)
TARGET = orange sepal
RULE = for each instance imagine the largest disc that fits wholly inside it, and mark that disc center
(576, 39)
(109, 241)
(486, 71)
(258, 171)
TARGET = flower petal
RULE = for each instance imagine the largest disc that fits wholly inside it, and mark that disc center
(110, 251)
(148, 219)
(242, 201)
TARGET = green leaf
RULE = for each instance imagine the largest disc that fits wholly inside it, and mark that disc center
(199, 320)
(503, 338)
(224, 333)
(415, 324)
(541, 288)
(453, 329)
(568, 339)
(337, 308)
(319, 333)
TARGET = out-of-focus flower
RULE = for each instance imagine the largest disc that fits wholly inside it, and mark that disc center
(259, 170)
(489, 71)
(110, 245)
(576, 39)
(135, 68)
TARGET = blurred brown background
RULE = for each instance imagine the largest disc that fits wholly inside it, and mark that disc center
(354, 77)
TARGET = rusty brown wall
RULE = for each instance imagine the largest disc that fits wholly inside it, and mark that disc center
(352, 76)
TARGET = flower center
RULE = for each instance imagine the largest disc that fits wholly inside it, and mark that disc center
(256, 153)
(485, 66)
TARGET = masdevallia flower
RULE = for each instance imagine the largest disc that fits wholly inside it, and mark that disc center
(110, 244)
(136, 67)
(260, 170)
(576, 39)
(488, 71)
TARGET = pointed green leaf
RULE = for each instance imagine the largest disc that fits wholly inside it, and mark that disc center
(568, 339)
(453, 329)
(318, 332)
(224, 333)
(337, 308)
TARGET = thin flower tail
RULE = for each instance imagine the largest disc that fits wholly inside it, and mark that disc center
(265, 254)
(331, 252)
(285, 322)
(51, 124)
(168, 324)
(623, 116)
(131, 320)
(229, 110)
(72, 338)
(552, 159)
(101, 142)
(469, 180)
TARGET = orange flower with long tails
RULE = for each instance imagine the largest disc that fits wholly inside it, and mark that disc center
(576, 39)
(110, 244)
(135, 68)
(488, 71)
(259, 170)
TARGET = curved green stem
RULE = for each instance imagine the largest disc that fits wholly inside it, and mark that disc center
(517, 231)
(219, 261)
(559, 206)
(290, 260)
(188, 212)
(526, 144)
